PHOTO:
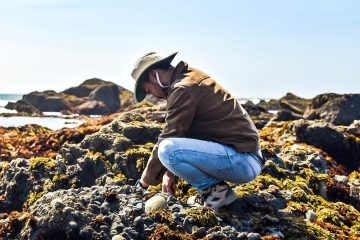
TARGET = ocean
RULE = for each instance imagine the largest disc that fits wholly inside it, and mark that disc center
(50, 121)
(53, 120)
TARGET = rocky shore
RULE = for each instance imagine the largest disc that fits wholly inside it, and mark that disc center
(92, 97)
(78, 183)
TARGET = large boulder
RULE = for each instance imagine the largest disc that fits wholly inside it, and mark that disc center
(345, 149)
(334, 108)
(92, 108)
(84, 89)
(285, 115)
(294, 103)
(253, 109)
(109, 95)
(289, 102)
(54, 104)
(92, 97)
(22, 106)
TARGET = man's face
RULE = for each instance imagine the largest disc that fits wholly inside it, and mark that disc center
(151, 86)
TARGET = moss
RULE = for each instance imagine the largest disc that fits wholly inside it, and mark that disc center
(299, 194)
(36, 162)
(260, 183)
(184, 190)
(32, 197)
(95, 155)
(163, 232)
(120, 176)
(354, 175)
(203, 215)
(330, 216)
(59, 181)
(155, 188)
(140, 154)
(163, 215)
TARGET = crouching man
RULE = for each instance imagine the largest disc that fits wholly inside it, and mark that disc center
(208, 137)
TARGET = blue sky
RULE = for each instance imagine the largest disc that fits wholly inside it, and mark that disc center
(252, 48)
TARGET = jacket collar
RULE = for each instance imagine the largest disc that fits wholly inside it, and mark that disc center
(180, 68)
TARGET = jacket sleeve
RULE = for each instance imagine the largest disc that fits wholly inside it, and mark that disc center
(181, 108)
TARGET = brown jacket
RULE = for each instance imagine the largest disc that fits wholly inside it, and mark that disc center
(198, 107)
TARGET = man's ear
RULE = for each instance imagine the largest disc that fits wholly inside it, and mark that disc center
(152, 77)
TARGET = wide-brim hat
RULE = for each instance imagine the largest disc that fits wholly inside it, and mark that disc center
(145, 65)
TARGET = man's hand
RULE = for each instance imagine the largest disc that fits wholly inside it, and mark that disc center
(168, 184)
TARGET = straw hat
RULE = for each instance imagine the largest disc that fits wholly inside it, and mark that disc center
(145, 65)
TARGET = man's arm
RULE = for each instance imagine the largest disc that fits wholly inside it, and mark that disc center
(181, 108)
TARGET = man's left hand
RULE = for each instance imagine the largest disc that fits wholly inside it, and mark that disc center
(168, 183)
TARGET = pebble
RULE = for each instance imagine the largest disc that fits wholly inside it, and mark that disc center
(73, 225)
(310, 215)
(253, 236)
(154, 203)
(118, 237)
(341, 179)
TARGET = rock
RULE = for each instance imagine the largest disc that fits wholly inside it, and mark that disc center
(310, 215)
(355, 192)
(92, 108)
(341, 179)
(253, 236)
(334, 108)
(253, 109)
(57, 204)
(118, 237)
(22, 106)
(54, 104)
(294, 103)
(156, 202)
(84, 89)
(354, 128)
(328, 137)
(109, 95)
(285, 115)
(92, 97)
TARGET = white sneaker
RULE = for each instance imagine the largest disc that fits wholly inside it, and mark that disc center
(220, 195)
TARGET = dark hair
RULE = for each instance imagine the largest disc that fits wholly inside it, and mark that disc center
(164, 66)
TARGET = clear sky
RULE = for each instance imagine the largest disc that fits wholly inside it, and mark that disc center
(252, 48)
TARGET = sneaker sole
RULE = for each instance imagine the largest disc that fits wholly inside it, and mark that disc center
(230, 199)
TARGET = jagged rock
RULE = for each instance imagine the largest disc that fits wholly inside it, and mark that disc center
(286, 115)
(53, 104)
(253, 109)
(109, 95)
(294, 103)
(84, 89)
(92, 108)
(22, 106)
(354, 128)
(327, 137)
(334, 108)
(92, 97)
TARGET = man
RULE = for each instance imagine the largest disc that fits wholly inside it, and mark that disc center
(208, 136)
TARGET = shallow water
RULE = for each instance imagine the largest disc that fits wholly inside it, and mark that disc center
(53, 123)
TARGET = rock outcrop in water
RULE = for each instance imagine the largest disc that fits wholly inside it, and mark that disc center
(93, 96)
(306, 190)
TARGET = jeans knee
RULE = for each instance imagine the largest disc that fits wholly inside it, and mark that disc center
(166, 147)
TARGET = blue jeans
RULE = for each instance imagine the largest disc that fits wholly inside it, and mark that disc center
(206, 163)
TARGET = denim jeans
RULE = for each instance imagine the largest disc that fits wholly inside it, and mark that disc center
(205, 163)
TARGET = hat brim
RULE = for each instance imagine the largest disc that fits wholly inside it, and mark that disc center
(140, 94)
